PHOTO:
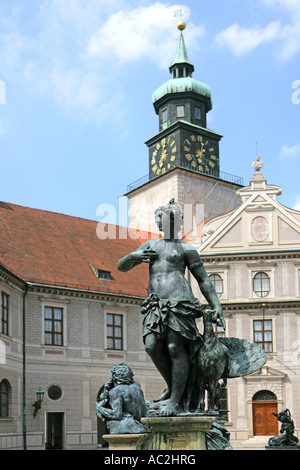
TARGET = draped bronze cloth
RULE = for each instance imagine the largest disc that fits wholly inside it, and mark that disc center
(179, 316)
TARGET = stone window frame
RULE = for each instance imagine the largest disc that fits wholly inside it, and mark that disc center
(48, 302)
(116, 311)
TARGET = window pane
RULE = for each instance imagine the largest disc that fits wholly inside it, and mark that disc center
(257, 325)
(118, 344)
(258, 337)
(48, 325)
(58, 313)
(118, 320)
(118, 332)
(57, 340)
(268, 336)
(197, 113)
(268, 347)
(268, 324)
(180, 111)
(110, 331)
(110, 343)
(57, 327)
(164, 115)
(48, 338)
(109, 319)
(48, 312)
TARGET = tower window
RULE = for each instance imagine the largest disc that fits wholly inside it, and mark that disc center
(164, 115)
(197, 113)
(180, 111)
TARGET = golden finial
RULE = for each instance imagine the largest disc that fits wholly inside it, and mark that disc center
(181, 26)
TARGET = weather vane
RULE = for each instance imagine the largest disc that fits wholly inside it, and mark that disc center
(178, 13)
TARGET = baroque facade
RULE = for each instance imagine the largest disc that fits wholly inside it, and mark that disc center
(252, 255)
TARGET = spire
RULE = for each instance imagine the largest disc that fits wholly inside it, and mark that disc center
(181, 66)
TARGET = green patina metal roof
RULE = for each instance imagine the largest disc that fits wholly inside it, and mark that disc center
(181, 53)
(182, 84)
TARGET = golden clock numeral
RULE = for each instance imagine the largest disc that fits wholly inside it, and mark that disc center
(154, 168)
(158, 171)
(172, 143)
(163, 171)
(212, 164)
(211, 149)
(206, 168)
(163, 142)
(193, 138)
(188, 156)
(200, 168)
(174, 150)
(194, 164)
(173, 158)
(199, 138)
(206, 143)
(158, 146)
(169, 166)
(213, 157)
(187, 149)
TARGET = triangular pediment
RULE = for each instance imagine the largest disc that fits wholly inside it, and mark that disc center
(260, 223)
(267, 373)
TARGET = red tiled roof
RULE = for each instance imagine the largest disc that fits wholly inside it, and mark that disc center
(59, 250)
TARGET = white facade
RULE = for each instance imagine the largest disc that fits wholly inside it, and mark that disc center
(253, 255)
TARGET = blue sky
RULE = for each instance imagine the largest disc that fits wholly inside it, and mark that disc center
(76, 84)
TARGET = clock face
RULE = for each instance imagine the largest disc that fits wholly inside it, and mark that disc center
(200, 153)
(164, 155)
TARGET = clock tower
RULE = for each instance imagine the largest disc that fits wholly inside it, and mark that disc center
(184, 157)
(182, 104)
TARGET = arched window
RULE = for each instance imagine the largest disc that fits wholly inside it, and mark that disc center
(261, 284)
(217, 282)
(4, 399)
(264, 395)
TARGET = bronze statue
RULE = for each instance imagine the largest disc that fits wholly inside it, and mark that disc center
(122, 403)
(170, 333)
(286, 437)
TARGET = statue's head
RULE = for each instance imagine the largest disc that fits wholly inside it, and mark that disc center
(169, 218)
(122, 374)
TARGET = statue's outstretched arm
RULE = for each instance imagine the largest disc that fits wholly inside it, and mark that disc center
(195, 265)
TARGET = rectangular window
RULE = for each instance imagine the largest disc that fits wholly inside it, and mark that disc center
(164, 115)
(114, 331)
(262, 334)
(180, 111)
(197, 113)
(53, 318)
(219, 331)
(4, 313)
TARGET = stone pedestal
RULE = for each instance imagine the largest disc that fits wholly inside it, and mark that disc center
(179, 433)
(129, 441)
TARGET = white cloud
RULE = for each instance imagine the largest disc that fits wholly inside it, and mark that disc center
(287, 36)
(145, 32)
(289, 153)
(72, 50)
(242, 40)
